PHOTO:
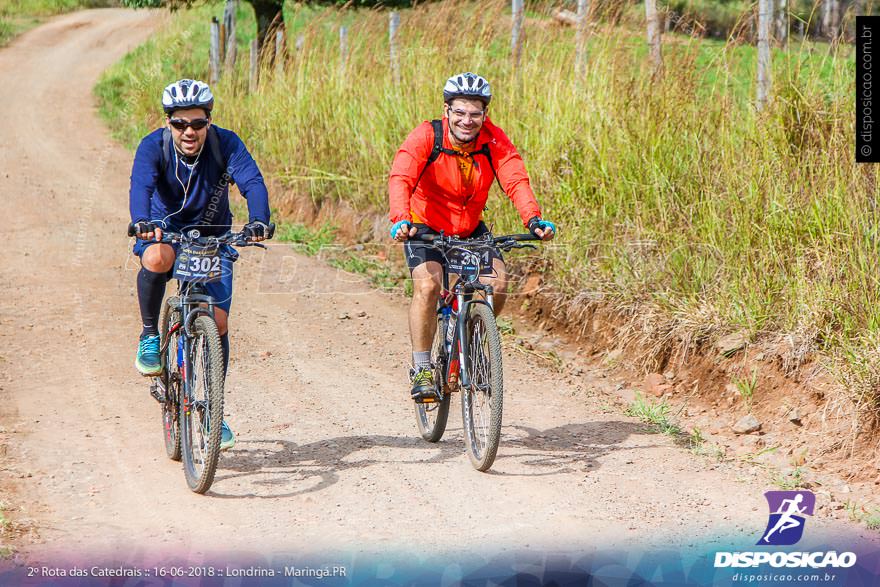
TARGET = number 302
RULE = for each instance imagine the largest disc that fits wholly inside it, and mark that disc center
(204, 264)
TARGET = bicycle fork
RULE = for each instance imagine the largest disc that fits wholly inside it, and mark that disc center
(459, 366)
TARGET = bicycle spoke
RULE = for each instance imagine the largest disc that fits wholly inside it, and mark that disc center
(431, 417)
(480, 382)
(200, 412)
(482, 400)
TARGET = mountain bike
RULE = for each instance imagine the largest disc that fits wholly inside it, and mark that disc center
(466, 350)
(190, 385)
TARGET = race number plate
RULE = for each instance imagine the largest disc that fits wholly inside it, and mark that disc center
(469, 263)
(198, 263)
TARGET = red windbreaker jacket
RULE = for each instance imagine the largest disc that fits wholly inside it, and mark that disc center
(440, 200)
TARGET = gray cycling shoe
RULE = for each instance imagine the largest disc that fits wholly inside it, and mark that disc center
(423, 389)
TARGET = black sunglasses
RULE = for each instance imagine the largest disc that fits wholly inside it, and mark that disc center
(197, 124)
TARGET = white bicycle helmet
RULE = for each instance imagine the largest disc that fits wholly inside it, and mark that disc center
(187, 93)
(467, 85)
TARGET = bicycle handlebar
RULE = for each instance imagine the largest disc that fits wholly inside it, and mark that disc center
(237, 239)
(505, 241)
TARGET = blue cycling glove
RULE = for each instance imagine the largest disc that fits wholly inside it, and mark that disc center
(536, 223)
(396, 226)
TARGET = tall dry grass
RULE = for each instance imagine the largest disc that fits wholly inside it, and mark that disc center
(674, 196)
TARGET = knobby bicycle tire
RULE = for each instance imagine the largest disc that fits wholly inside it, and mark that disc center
(170, 380)
(431, 418)
(482, 400)
(203, 406)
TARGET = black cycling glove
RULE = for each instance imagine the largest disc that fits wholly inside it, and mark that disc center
(255, 229)
(143, 227)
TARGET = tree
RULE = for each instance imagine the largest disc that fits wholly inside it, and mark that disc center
(267, 12)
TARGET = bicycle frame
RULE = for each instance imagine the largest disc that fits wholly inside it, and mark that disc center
(457, 369)
(194, 302)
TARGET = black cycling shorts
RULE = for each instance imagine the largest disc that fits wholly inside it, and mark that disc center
(418, 252)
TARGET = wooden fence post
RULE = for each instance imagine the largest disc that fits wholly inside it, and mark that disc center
(517, 14)
(215, 51)
(765, 16)
(343, 50)
(254, 70)
(782, 23)
(231, 47)
(654, 36)
(831, 19)
(280, 53)
(393, 25)
(580, 62)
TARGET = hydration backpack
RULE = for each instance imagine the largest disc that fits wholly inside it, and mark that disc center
(438, 148)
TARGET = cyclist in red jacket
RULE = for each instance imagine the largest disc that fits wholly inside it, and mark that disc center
(445, 187)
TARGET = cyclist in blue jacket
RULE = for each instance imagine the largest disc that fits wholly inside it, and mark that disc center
(180, 180)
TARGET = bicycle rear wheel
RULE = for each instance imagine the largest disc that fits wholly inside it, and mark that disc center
(481, 401)
(431, 417)
(171, 378)
(201, 406)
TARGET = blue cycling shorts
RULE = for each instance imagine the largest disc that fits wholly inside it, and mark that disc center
(221, 290)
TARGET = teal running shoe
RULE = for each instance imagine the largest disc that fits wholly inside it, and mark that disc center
(148, 360)
(227, 438)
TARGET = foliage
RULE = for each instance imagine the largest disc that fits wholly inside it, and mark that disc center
(675, 199)
(656, 414)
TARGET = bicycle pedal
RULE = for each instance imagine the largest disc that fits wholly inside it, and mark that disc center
(157, 394)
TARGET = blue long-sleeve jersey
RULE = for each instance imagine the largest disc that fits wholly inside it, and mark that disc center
(157, 190)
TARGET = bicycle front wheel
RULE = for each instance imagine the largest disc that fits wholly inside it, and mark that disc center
(201, 406)
(171, 378)
(482, 399)
(431, 417)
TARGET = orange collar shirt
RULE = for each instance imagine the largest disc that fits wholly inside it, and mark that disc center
(453, 190)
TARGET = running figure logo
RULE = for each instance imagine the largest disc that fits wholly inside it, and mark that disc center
(787, 510)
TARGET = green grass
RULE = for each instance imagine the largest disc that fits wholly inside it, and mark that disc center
(505, 326)
(869, 516)
(697, 444)
(381, 274)
(790, 481)
(321, 241)
(657, 414)
(746, 387)
(310, 241)
(6, 551)
(675, 198)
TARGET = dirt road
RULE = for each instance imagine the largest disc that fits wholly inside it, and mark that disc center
(327, 453)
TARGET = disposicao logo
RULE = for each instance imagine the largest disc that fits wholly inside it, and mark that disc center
(787, 510)
(785, 527)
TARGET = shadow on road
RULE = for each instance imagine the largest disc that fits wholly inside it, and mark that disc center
(563, 449)
(271, 469)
